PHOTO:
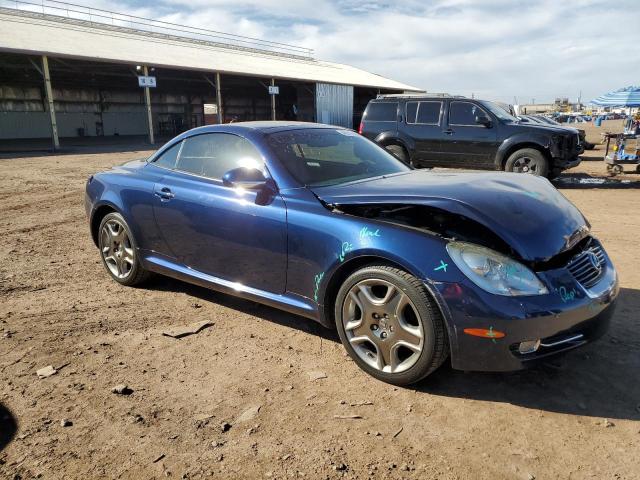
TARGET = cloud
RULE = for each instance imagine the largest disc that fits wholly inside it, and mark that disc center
(496, 49)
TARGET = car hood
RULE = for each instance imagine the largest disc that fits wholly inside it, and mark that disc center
(527, 212)
(538, 127)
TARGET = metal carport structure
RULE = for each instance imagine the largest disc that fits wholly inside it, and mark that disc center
(97, 54)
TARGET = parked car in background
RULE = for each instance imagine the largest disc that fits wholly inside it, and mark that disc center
(410, 266)
(573, 118)
(582, 133)
(458, 132)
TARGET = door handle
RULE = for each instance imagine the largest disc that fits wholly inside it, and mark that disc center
(448, 131)
(164, 193)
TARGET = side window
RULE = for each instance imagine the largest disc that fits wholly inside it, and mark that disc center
(410, 112)
(381, 112)
(168, 158)
(429, 113)
(212, 155)
(463, 113)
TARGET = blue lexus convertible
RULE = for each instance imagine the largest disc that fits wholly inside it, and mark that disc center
(494, 270)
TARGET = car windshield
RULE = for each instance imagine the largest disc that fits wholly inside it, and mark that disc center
(548, 120)
(499, 112)
(321, 156)
(534, 119)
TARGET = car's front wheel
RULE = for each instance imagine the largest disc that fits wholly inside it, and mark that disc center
(118, 251)
(528, 160)
(390, 325)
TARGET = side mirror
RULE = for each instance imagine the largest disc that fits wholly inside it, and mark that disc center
(483, 119)
(243, 177)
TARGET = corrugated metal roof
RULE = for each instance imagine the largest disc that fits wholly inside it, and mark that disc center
(34, 33)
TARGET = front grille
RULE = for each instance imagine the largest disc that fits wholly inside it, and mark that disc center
(587, 267)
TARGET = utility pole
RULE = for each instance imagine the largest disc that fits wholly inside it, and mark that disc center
(219, 97)
(147, 101)
(52, 110)
(273, 101)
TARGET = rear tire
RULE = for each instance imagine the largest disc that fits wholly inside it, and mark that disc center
(119, 251)
(390, 325)
(528, 160)
(399, 152)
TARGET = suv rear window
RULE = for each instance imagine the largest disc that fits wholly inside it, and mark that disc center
(381, 112)
(426, 113)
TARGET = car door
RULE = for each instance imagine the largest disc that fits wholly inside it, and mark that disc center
(237, 235)
(423, 125)
(468, 144)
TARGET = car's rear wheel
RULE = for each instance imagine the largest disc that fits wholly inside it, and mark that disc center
(528, 160)
(399, 152)
(118, 251)
(390, 325)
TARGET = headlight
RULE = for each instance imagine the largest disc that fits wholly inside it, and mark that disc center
(494, 272)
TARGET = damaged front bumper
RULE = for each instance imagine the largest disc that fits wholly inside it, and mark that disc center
(567, 317)
(568, 163)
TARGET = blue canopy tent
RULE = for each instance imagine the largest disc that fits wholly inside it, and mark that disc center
(624, 97)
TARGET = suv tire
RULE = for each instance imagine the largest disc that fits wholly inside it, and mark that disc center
(528, 160)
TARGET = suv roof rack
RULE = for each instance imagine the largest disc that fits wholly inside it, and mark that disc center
(418, 95)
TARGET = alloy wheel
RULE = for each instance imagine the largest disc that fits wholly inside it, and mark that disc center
(383, 325)
(525, 165)
(117, 250)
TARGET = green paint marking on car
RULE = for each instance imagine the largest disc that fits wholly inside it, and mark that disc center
(365, 232)
(316, 285)
(346, 248)
(443, 266)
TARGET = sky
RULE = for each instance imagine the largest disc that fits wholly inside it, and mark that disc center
(508, 50)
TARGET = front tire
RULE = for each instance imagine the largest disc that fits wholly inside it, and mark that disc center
(390, 325)
(528, 160)
(119, 252)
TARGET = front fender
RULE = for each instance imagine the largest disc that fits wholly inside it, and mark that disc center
(527, 140)
(417, 253)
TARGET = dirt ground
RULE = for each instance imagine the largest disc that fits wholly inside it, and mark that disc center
(241, 399)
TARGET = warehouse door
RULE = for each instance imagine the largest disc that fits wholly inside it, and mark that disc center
(334, 104)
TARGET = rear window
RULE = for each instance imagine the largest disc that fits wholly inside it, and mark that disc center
(429, 112)
(381, 112)
(169, 158)
(426, 113)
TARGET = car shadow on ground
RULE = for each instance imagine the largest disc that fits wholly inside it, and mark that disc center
(8, 426)
(599, 380)
(590, 182)
(249, 307)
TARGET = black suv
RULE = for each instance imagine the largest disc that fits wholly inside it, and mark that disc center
(448, 131)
